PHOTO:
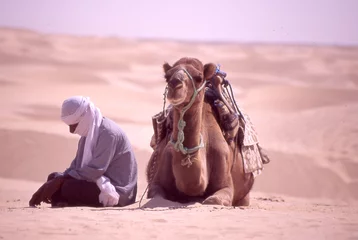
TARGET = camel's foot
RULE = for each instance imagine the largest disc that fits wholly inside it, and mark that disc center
(221, 197)
(214, 200)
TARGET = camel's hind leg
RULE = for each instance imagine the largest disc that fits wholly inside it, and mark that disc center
(245, 201)
(242, 194)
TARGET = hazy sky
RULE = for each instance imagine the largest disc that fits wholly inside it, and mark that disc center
(303, 21)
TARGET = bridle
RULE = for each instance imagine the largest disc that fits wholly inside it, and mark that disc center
(178, 144)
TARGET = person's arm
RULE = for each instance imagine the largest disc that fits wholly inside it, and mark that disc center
(74, 161)
(102, 157)
(72, 166)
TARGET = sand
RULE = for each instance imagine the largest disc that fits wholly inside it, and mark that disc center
(303, 101)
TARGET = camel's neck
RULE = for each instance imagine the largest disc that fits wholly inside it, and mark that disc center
(193, 123)
(190, 170)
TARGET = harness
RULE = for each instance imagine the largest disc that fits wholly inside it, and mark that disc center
(178, 144)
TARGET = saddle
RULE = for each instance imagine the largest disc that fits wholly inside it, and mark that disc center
(236, 126)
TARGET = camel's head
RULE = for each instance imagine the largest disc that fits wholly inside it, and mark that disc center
(181, 77)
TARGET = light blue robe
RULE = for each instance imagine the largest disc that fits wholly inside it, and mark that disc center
(113, 157)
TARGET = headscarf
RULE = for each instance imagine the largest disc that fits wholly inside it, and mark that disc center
(81, 110)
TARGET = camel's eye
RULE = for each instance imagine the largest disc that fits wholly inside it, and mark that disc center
(197, 78)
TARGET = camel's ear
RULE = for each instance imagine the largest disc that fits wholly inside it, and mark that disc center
(166, 67)
(209, 70)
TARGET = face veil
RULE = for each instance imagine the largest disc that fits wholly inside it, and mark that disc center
(80, 110)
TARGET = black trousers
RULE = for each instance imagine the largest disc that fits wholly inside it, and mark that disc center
(74, 192)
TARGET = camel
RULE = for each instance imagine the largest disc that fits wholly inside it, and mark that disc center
(195, 162)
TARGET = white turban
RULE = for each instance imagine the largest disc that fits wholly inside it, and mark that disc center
(81, 110)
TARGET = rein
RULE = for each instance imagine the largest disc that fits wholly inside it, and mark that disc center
(178, 145)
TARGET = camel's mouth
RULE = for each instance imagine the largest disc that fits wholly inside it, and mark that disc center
(176, 96)
(175, 101)
(178, 87)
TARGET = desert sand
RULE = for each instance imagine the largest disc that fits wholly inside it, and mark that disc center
(303, 101)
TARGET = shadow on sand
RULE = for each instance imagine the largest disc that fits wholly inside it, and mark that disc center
(153, 204)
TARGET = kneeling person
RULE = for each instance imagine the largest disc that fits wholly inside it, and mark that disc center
(104, 171)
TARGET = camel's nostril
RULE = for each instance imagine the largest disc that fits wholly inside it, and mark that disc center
(175, 83)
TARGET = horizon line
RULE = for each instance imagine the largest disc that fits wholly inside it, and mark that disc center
(185, 41)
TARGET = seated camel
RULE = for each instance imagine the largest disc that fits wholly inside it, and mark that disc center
(195, 162)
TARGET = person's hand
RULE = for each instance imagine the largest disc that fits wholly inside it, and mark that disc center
(45, 192)
(109, 199)
(108, 196)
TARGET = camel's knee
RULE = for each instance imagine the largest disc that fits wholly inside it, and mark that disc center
(192, 189)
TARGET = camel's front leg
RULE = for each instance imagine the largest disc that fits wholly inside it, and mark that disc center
(155, 190)
(223, 197)
(220, 188)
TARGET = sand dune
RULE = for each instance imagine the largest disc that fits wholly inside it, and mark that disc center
(302, 99)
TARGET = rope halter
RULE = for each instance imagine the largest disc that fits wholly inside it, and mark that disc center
(178, 145)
